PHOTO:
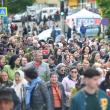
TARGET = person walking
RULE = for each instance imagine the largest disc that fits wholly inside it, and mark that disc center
(70, 83)
(83, 30)
(91, 97)
(36, 95)
(56, 91)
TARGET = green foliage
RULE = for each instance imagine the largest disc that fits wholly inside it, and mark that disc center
(15, 6)
(104, 5)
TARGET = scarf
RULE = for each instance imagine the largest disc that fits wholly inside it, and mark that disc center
(29, 87)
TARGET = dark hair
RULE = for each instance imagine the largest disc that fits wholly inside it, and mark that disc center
(107, 76)
(17, 73)
(52, 57)
(72, 68)
(6, 94)
(12, 61)
(93, 56)
(30, 71)
(83, 56)
(83, 50)
(53, 73)
(65, 56)
(91, 72)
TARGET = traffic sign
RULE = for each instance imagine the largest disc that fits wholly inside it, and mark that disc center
(3, 11)
(105, 21)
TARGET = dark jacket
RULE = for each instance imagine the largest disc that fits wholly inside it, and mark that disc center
(78, 101)
(7, 83)
(40, 98)
(63, 96)
(52, 67)
(105, 85)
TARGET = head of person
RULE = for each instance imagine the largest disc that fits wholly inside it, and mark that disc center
(59, 51)
(4, 76)
(2, 61)
(92, 77)
(19, 76)
(24, 61)
(107, 77)
(30, 73)
(85, 57)
(73, 72)
(61, 68)
(38, 56)
(53, 78)
(86, 50)
(85, 64)
(21, 52)
(35, 43)
(14, 61)
(51, 60)
(95, 57)
(6, 99)
(103, 52)
(76, 54)
(67, 58)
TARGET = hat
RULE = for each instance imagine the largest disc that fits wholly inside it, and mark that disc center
(6, 94)
(91, 72)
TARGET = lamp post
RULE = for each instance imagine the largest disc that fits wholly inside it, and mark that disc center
(82, 1)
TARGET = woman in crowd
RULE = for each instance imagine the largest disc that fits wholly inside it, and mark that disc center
(106, 83)
(57, 94)
(12, 67)
(61, 71)
(18, 83)
(86, 50)
(2, 62)
(58, 55)
(96, 57)
(66, 60)
(5, 80)
(70, 83)
(51, 61)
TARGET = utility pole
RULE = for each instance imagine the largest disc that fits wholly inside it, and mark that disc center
(2, 3)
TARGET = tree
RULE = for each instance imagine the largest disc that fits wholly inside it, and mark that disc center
(104, 5)
(15, 6)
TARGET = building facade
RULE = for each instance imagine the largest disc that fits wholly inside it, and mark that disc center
(49, 2)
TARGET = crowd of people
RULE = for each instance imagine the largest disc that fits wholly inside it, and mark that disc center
(71, 74)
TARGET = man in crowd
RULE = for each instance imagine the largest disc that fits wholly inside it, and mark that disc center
(43, 68)
(8, 99)
(91, 97)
